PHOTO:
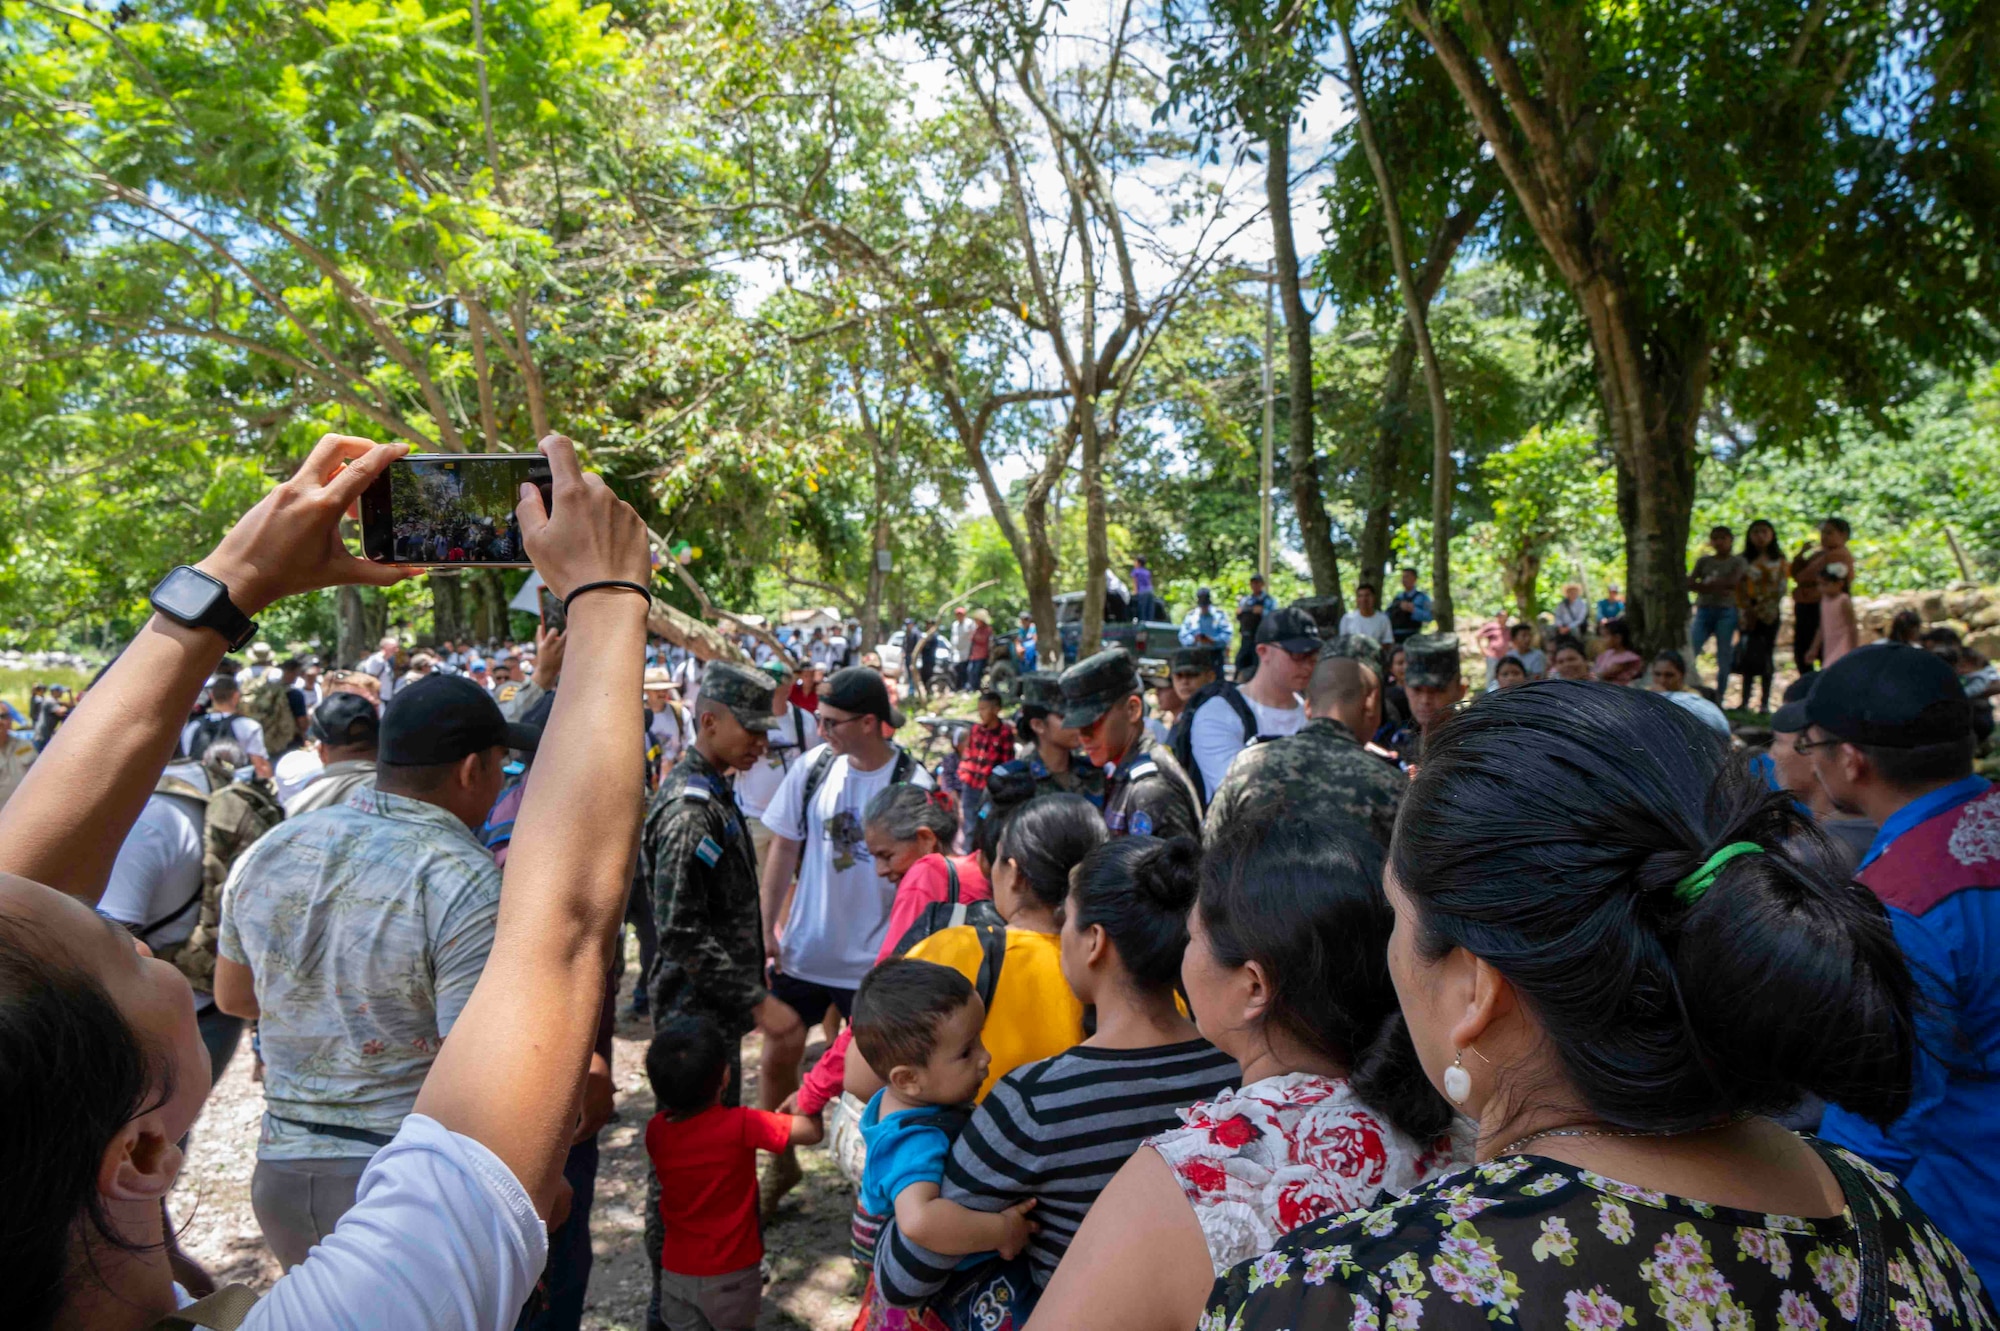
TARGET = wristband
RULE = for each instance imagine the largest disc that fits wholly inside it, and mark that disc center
(616, 583)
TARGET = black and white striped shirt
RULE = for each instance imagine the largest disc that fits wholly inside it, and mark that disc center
(1057, 1131)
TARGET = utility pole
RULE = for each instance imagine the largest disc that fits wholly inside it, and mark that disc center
(1270, 428)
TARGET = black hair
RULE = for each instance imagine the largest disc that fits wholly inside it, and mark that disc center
(1140, 889)
(1509, 660)
(1361, 587)
(73, 1073)
(224, 686)
(1925, 765)
(1405, 569)
(904, 810)
(1007, 790)
(1720, 530)
(1774, 550)
(1307, 905)
(685, 1063)
(899, 1007)
(1548, 832)
(1905, 626)
(1570, 641)
(1839, 525)
(1932, 636)
(414, 778)
(1047, 837)
(1523, 627)
(1672, 658)
(1024, 729)
(1619, 629)
(992, 696)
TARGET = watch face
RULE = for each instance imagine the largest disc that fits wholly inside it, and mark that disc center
(186, 594)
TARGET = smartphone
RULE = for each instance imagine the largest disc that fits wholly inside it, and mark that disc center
(554, 618)
(451, 509)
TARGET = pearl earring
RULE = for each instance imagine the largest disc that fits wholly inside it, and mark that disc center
(1457, 1081)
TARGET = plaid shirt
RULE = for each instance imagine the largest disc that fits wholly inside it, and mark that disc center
(986, 747)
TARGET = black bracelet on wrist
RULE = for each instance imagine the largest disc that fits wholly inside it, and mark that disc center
(616, 583)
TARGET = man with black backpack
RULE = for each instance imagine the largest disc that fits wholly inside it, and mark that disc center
(224, 721)
(833, 922)
(1221, 720)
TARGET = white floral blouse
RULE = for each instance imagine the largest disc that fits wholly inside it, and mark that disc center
(1259, 1162)
(1531, 1242)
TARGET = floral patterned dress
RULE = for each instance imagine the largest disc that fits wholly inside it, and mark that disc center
(1532, 1242)
(1259, 1162)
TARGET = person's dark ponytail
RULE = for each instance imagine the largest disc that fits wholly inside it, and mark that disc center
(1307, 905)
(1047, 837)
(1140, 890)
(1560, 833)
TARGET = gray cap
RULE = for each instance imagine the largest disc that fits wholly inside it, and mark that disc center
(1355, 647)
(1095, 684)
(1431, 661)
(745, 691)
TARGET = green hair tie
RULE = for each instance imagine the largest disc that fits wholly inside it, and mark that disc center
(1693, 887)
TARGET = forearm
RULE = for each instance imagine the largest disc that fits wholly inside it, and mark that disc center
(781, 861)
(946, 1227)
(824, 1083)
(511, 1073)
(64, 824)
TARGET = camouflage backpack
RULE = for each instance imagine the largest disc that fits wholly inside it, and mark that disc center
(268, 703)
(237, 815)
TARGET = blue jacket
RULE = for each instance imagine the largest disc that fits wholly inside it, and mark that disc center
(1936, 865)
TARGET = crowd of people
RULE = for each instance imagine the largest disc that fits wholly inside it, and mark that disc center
(1308, 988)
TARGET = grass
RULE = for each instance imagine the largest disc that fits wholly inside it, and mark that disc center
(14, 684)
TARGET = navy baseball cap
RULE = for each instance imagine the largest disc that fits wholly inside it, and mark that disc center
(346, 719)
(1890, 695)
(443, 718)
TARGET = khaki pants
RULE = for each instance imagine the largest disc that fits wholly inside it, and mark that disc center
(712, 1303)
(760, 843)
(298, 1202)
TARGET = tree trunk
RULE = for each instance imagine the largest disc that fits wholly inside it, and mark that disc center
(351, 641)
(1652, 388)
(1038, 573)
(1385, 460)
(448, 619)
(1442, 478)
(1315, 527)
(878, 546)
(1096, 542)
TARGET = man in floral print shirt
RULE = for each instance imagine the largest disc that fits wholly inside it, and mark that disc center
(354, 936)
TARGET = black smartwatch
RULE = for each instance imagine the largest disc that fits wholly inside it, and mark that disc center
(189, 596)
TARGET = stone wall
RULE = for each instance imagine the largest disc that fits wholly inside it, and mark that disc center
(1972, 610)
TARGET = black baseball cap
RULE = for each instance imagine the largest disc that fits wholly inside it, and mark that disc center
(1790, 719)
(443, 718)
(859, 690)
(1293, 630)
(1094, 685)
(346, 719)
(1890, 695)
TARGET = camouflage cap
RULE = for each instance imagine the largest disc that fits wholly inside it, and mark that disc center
(1092, 686)
(1042, 689)
(1195, 660)
(1431, 661)
(744, 691)
(1355, 647)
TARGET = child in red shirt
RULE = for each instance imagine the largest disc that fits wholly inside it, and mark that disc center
(705, 1155)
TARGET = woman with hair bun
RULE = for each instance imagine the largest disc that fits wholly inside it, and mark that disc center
(1057, 1130)
(1620, 953)
(1285, 970)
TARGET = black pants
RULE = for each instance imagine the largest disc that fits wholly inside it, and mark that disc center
(570, 1258)
(1805, 627)
(639, 914)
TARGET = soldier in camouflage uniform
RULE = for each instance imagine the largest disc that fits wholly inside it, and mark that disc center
(701, 873)
(1056, 766)
(1147, 793)
(1434, 683)
(1321, 776)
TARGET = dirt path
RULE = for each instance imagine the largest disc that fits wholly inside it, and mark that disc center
(811, 1282)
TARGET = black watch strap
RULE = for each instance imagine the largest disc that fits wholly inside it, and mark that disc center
(216, 610)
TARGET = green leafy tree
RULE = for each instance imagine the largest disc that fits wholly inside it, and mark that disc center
(1790, 204)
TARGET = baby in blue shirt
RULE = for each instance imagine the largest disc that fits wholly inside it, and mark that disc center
(917, 1025)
